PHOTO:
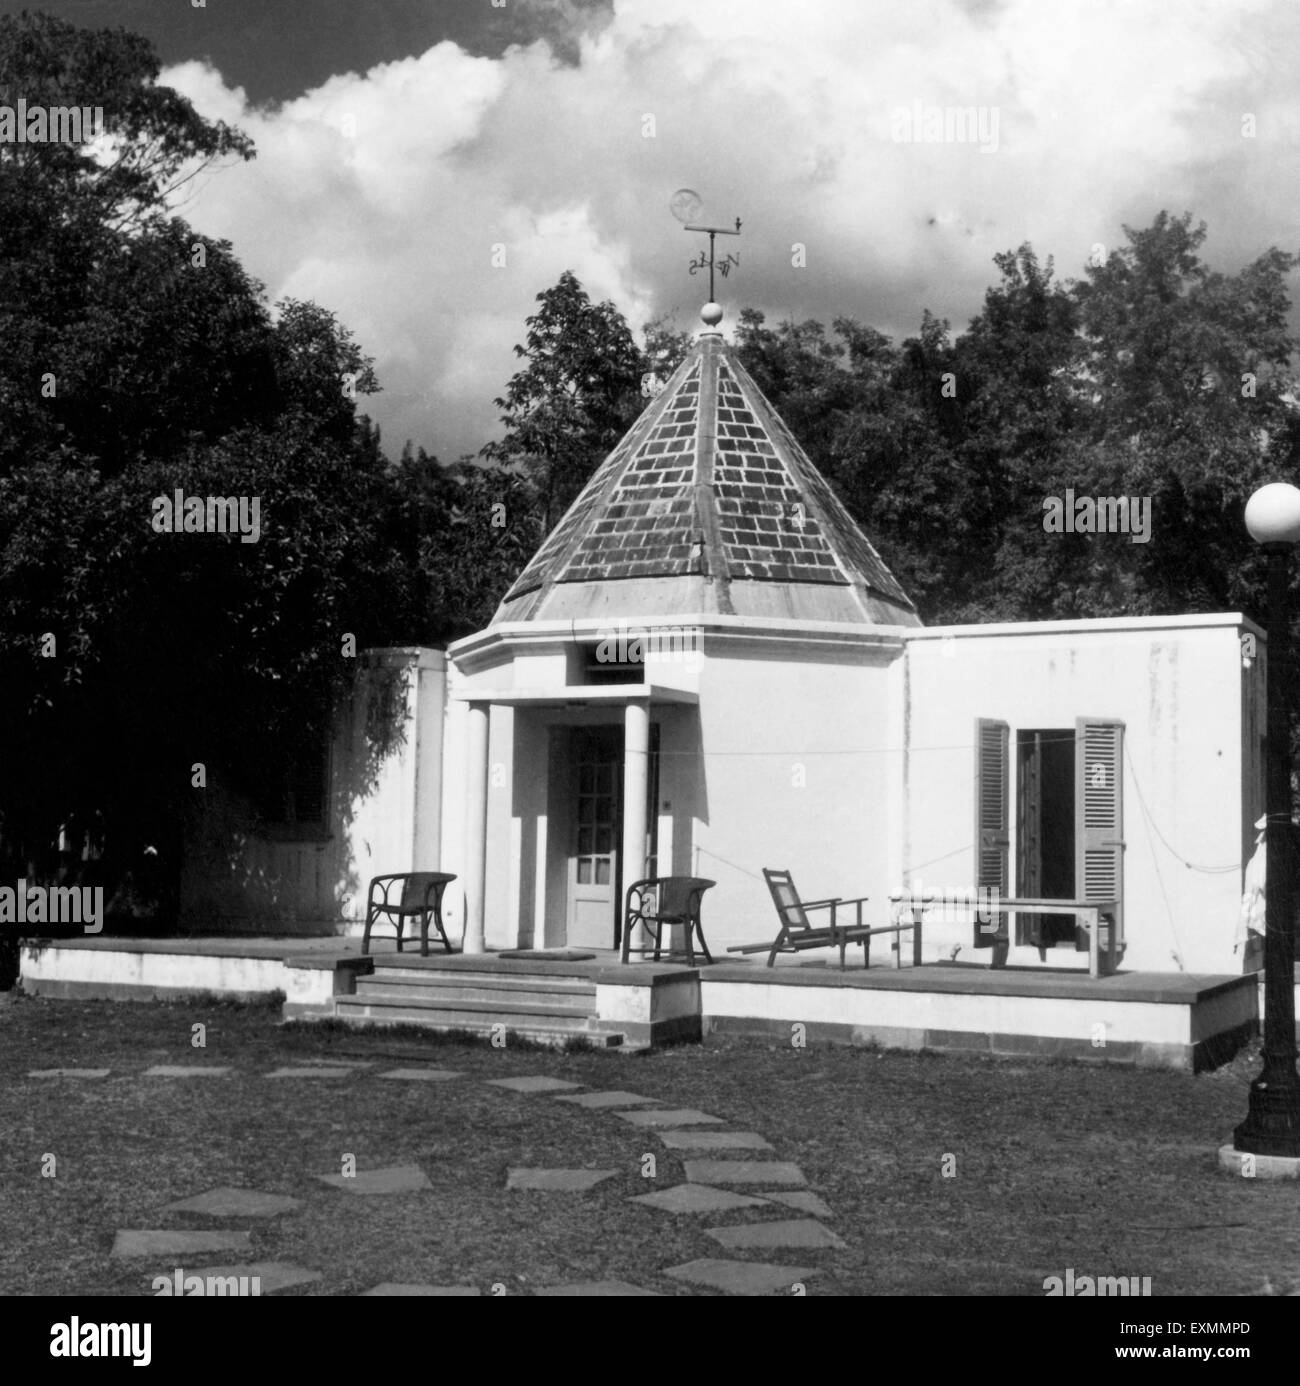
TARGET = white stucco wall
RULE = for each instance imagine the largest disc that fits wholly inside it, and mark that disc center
(1187, 703)
(793, 752)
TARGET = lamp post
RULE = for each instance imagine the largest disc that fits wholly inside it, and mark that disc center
(1272, 1126)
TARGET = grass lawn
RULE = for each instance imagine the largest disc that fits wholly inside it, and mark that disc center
(1108, 1171)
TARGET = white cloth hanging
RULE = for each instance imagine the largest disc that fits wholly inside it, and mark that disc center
(1251, 917)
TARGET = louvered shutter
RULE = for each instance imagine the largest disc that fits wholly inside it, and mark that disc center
(992, 839)
(1099, 812)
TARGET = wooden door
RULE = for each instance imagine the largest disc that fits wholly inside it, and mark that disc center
(596, 830)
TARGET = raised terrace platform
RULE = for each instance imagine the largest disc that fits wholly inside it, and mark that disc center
(1168, 1020)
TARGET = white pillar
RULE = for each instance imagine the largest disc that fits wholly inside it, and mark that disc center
(636, 759)
(476, 777)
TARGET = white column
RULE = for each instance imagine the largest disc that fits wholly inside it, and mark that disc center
(476, 777)
(636, 758)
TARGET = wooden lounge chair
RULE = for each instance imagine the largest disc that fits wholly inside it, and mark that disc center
(797, 933)
(420, 896)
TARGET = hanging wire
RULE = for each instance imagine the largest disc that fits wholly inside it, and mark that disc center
(1191, 866)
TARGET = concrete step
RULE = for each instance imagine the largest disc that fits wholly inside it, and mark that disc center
(485, 998)
(481, 984)
(490, 1012)
(542, 1028)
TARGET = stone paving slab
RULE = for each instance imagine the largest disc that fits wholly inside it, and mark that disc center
(161, 1242)
(713, 1140)
(697, 1198)
(315, 1072)
(743, 1172)
(770, 1236)
(68, 1073)
(534, 1084)
(426, 1075)
(558, 1180)
(185, 1071)
(803, 1201)
(741, 1277)
(598, 1289)
(390, 1287)
(393, 1180)
(600, 1100)
(236, 1203)
(677, 1116)
(274, 1275)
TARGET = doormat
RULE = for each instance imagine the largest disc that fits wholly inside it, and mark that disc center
(549, 954)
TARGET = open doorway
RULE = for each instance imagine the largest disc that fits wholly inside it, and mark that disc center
(1045, 832)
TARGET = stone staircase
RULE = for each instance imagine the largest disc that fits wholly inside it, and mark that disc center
(545, 1007)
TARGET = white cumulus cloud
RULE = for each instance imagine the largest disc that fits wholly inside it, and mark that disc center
(386, 195)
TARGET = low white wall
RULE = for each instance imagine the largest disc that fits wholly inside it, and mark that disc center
(166, 971)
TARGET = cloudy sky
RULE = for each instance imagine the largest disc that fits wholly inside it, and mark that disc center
(402, 142)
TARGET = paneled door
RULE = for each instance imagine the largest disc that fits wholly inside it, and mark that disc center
(596, 831)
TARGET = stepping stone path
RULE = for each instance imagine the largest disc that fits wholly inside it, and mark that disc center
(600, 1100)
(393, 1288)
(159, 1242)
(532, 1084)
(741, 1277)
(697, 1198)
(795, 1232)
(598, 1289)
(311, 1073)
(185, 1071)
(558, 1180)
(681, 1116)
(743, 1172)
(713, 1140)
(676, 1128)
(235, 1203)
(396, 1179)
(418, 1075)
(68, 1073)
(804, 1201)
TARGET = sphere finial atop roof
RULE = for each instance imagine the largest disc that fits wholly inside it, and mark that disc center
(711, 314)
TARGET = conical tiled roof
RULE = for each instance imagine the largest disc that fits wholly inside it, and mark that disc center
(708, 505)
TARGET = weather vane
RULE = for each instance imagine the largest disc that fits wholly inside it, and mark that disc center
(686, 205)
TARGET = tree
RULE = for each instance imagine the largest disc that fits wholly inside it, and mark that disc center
(1193, 405)
(579, 393)
(128, 655)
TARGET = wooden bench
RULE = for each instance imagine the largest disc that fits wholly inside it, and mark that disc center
(797, 933)
(1087, 913)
